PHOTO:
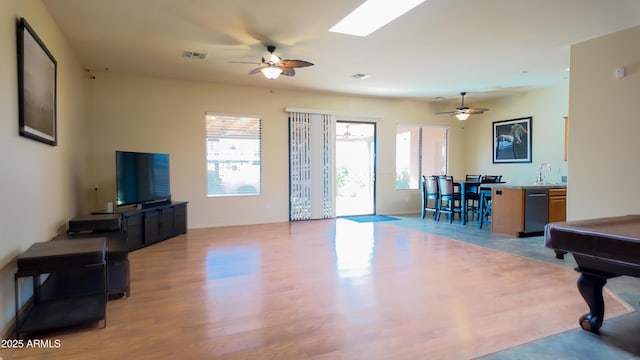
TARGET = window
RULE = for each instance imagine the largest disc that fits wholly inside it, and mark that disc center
(234, 155)
(420, 150)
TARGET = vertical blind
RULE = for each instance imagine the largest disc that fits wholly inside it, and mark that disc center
(311, 166)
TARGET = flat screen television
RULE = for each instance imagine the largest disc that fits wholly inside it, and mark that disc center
(142, 178)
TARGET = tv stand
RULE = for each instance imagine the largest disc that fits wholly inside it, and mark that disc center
(148, 226)
(155, 203)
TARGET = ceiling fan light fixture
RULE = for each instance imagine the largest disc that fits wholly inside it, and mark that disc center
(271, 72)
(273, 58)
(462, 116)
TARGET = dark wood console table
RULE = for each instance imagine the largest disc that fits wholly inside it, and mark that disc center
(75, 292)
(117, 257)
(148, 226)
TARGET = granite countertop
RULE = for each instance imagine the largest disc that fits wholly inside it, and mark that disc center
(527, 186)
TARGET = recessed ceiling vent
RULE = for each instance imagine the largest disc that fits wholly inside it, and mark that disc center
(194, 55)
(361, 76)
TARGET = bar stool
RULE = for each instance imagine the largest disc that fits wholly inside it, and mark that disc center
(472, 195)
(429, 192)
(449, 198)
(485, 199)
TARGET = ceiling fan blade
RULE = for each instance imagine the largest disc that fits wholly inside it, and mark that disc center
(257, 70)
(446, 112)
(295, 63)
(289, 71)
(244, 62)
(477, 111)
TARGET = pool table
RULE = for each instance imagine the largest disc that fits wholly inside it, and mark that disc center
(603, 248)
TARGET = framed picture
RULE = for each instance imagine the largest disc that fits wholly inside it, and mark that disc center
(37, 75)
(512, 141)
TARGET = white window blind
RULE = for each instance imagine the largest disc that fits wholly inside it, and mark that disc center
(234, 155)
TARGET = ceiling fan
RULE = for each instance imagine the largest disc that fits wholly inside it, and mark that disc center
(273, 66)
(462, 112)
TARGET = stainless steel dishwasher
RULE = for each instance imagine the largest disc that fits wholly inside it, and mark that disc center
(536, 210)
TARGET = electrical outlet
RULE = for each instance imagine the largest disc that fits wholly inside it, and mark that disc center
(95, 187)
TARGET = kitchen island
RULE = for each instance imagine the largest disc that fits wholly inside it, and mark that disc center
(524, 209)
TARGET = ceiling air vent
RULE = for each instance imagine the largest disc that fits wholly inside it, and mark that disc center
(194, 55)
(361, 76)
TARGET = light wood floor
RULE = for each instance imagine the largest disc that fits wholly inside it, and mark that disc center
(326, 289)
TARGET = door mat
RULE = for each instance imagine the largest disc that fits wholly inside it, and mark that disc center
(369, 218)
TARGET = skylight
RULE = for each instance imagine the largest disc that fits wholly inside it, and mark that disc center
(372, 15)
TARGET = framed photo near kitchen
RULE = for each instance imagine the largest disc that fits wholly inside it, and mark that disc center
(512, 141)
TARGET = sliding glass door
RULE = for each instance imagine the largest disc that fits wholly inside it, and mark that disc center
(355, 168)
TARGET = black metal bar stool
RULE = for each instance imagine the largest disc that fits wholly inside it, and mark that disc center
(485, 199)
(485, 207)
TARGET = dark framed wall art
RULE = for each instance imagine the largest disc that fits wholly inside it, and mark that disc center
(37, 76)
(512, 141)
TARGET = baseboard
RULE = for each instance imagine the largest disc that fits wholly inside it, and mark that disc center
(9, 331)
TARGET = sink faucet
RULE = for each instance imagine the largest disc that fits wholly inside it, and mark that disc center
(543, 166)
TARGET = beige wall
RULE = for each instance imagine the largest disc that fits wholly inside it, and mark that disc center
(162, 115)
(604, 124)
(39, 183)
(547, 107)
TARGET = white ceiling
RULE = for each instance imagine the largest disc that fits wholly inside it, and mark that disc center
(440, 48)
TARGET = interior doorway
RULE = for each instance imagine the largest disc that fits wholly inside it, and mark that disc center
(355, 168)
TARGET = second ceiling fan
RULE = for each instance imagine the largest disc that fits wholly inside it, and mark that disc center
(462, 112)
